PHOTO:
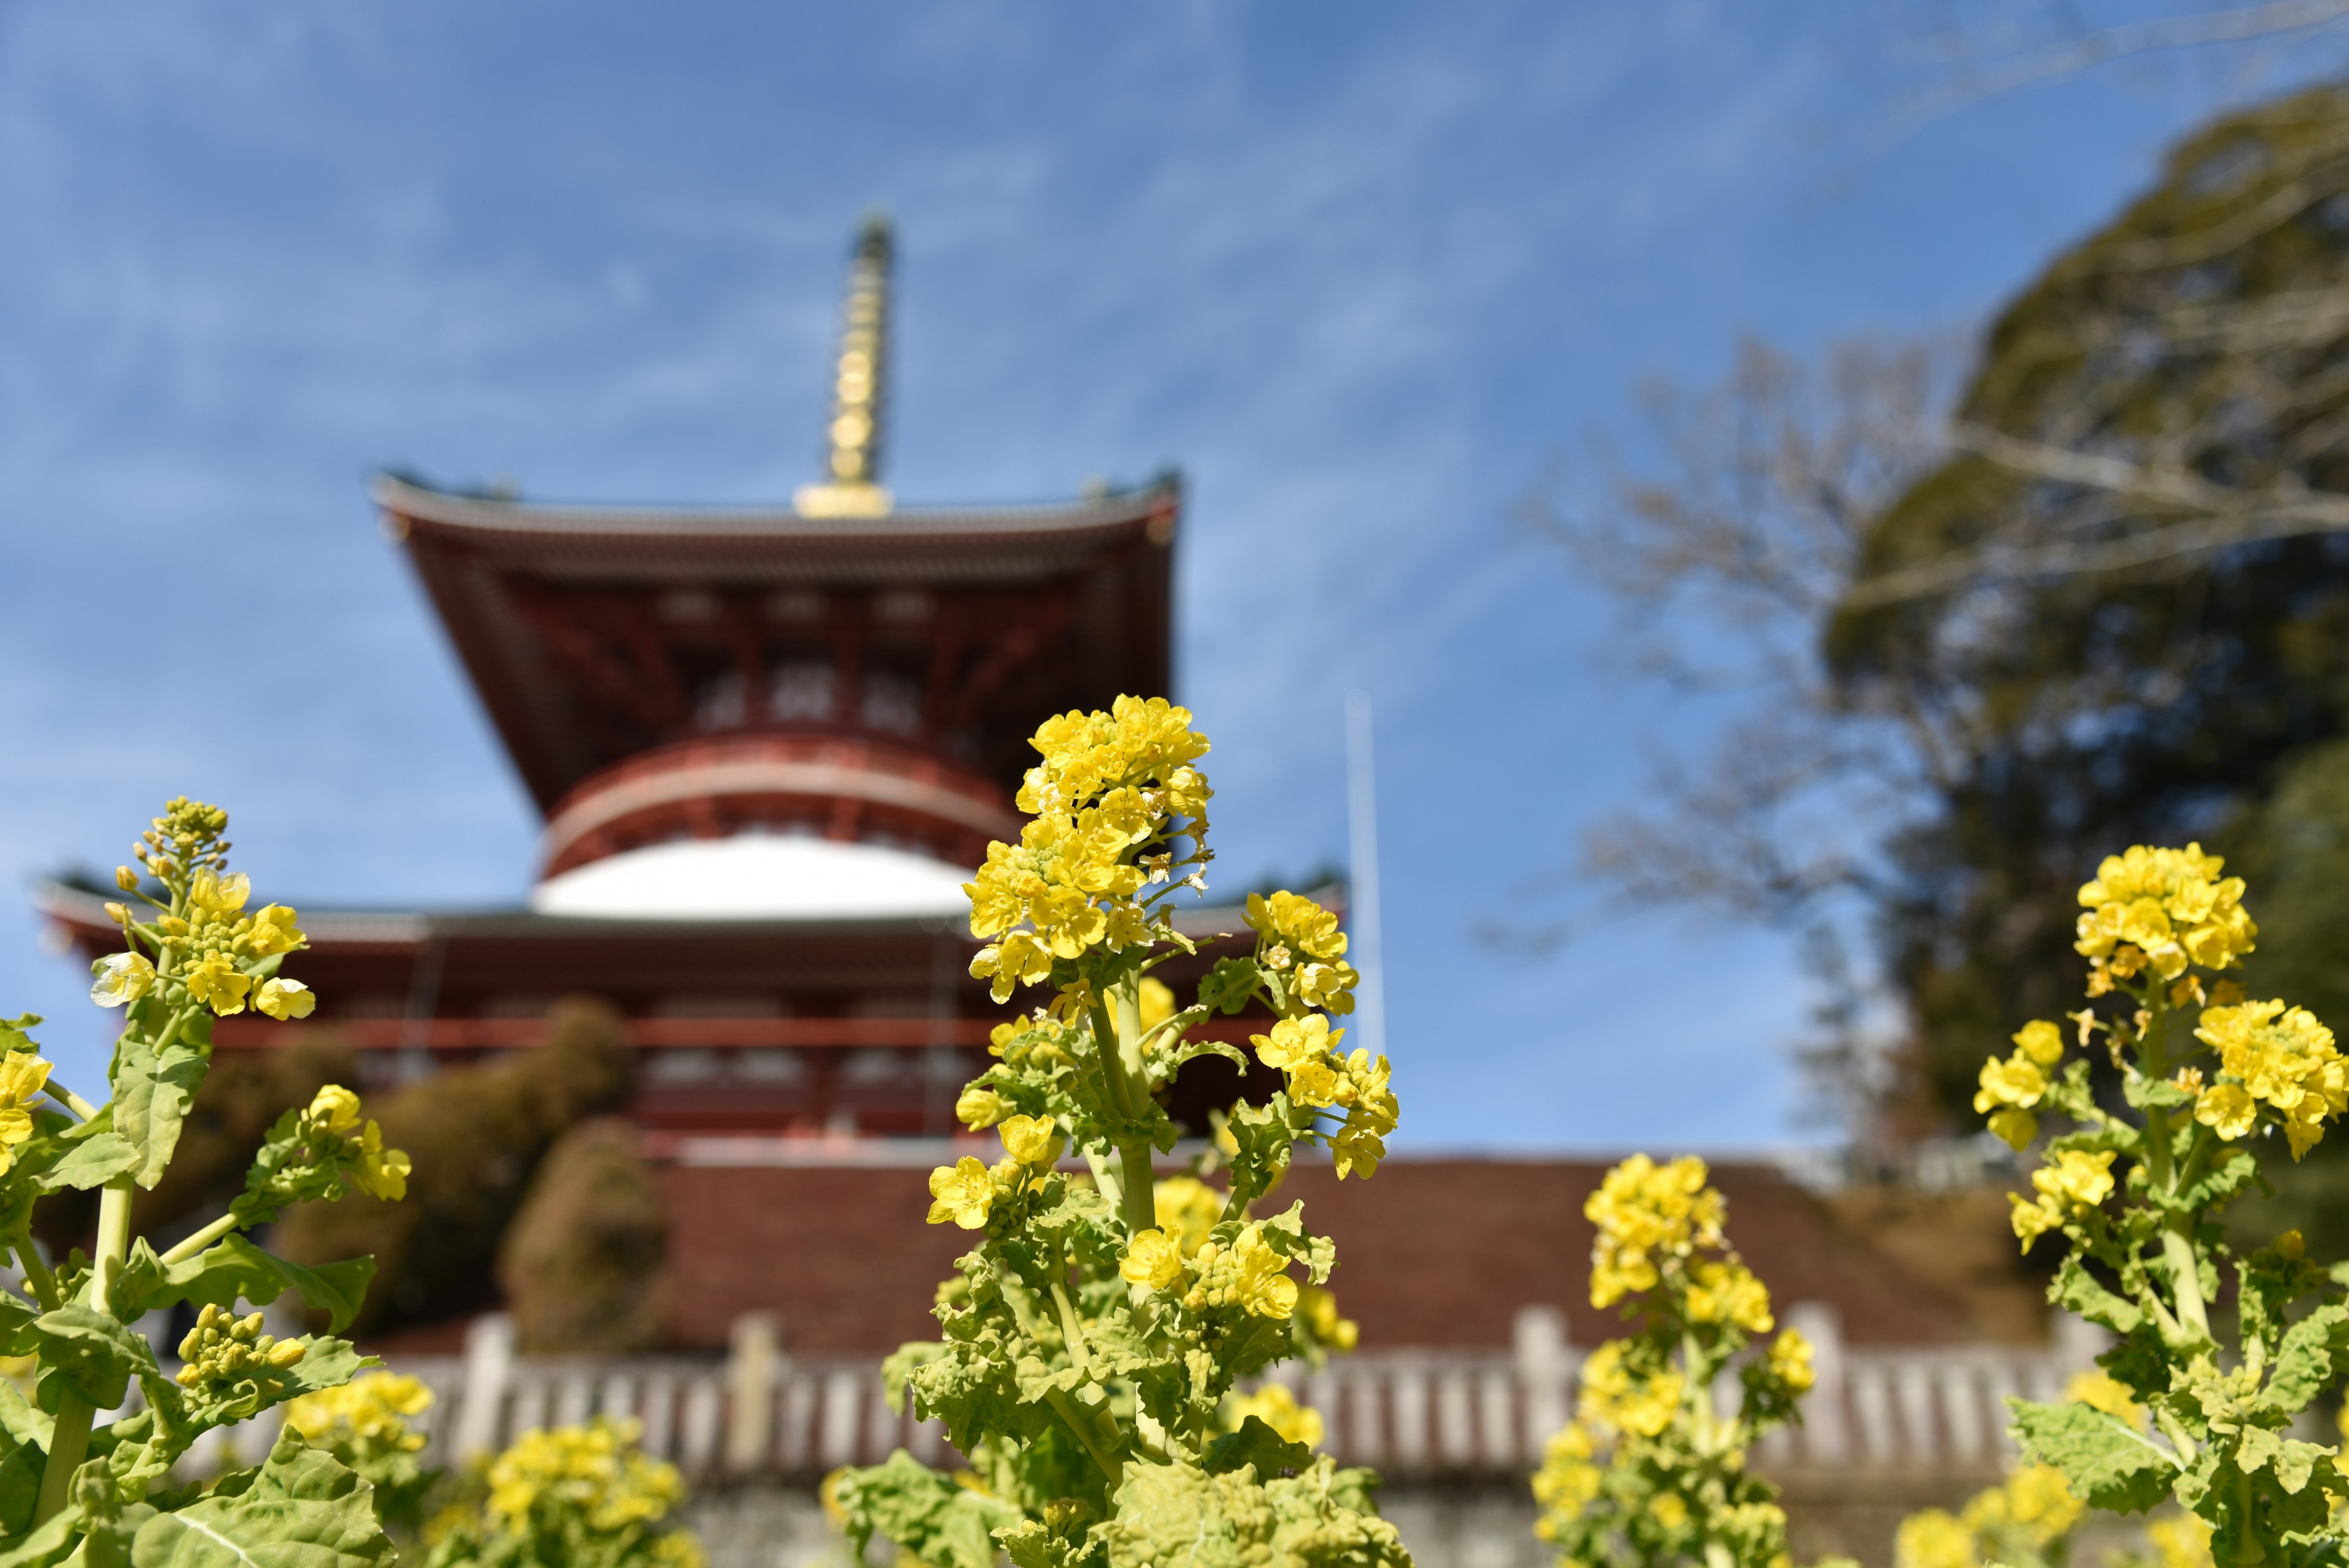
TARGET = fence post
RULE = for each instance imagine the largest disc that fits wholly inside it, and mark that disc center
(1544, 1370)
(1824, 1421)
(753, 1364)
(489, 1364)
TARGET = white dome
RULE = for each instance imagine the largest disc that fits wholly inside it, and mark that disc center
(753, 877)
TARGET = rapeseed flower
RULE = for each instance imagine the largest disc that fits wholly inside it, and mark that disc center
(22, 1077)
(121, 978)
(2171, 906)
(1154, 1260)
(1729, 1293)
(1278, 1408)
(963, 1193)
(1644, 1213)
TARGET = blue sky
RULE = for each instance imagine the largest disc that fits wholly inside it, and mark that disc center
(1361, 270)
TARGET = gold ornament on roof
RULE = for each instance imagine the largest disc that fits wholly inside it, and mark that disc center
(852, 487)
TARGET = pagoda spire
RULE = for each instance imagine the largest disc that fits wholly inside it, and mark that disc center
(852, 487)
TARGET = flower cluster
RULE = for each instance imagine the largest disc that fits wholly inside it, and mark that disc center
(224, 1350)
(1111, 791)
(2275, 1056)
(966, 1192)
(1652, 1470)
(2161, 910)
(2013, 1087)
(2135, 1185)
(1647, 1215)
(1301, 938)
(2021, 1522)
(1278, 1408)
(369, 1412)
(572, 1497)
(1323, 1079)
(1095, 1339)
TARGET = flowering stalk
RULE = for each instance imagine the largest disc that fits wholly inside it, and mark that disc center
(1651, 1471)
(2208, 1080)
(189, 955)
(1093, 1338)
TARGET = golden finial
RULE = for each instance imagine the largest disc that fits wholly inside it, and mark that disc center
(852, 488)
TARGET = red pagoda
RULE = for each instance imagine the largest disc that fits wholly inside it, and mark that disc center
(768, 744)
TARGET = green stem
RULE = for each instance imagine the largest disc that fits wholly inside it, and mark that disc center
(2184, 1275)
(69, 1441)
(202, 1239)
(71, 1101)
(1138, 1204)
(1066, 1409)
(44, 1284)
(2247, 1549)
(1071, 1330)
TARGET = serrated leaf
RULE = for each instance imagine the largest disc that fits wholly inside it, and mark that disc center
(2307, 1362)
(2141, 1091)
(1256, 1444)
(233, 1269)
(90, 1353)
(2107, 1463)
(48, 1545)
(2081, 1293)
(921, 1511)
(303, 1511)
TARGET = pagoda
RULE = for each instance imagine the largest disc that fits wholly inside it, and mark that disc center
(768, 745)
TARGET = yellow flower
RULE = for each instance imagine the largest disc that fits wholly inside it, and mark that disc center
(2013, 1128)
(273, 930)
(2031, 1221)
(2015, 1081)
(22, 1078)
(1729, 1293)
(281, 999)
(216, 982)
(2041, 1041)
(1319, 1307)
(1157, 1002)
(1313, 1084)
(2078, 1178)
(1033, 1140)
(964, 1193)
(1643, 1211)
(372, 1408)
(220, 894)
(2171, 905)
(1187, 1208)
(1263, 1287)
(334, 1108)
(121, 978)
(1790, 1360)
(978, 1108)
(2100, 1390)
(1934, 1538)
(1277, 1408)
(594, 1470)
(1670, 1509)
(1152, 1259)
(382, 1172)
(1568, 1483)
(2180, 1541)
(1296, 1040)
(2284, 1057)
(2228, 1109)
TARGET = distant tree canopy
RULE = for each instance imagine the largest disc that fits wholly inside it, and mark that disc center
(2123, 601)
(1994, 627)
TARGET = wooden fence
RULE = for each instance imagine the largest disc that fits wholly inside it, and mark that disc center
(759, 1412)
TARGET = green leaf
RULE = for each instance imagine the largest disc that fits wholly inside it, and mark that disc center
(95, 1159)
(303, 1511)
(2141, 1091)
(2081, 1293)
(235, 1270)
(14, 1036)
(152, 1092)
(1228, 985)
(90, 1353)
(2107, 1463)
(1256, 1444)
(48, 1545)
(1286, 1234)
(2308, 1361)
(921, 1511)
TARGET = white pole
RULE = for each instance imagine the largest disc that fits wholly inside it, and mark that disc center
(1363, 851)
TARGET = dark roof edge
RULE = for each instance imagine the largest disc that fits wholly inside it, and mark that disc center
(63, 901)
(411, 499)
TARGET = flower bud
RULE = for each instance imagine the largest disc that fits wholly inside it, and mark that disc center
(125, 878)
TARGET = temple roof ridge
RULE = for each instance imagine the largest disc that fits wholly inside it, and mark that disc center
(412, 500)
